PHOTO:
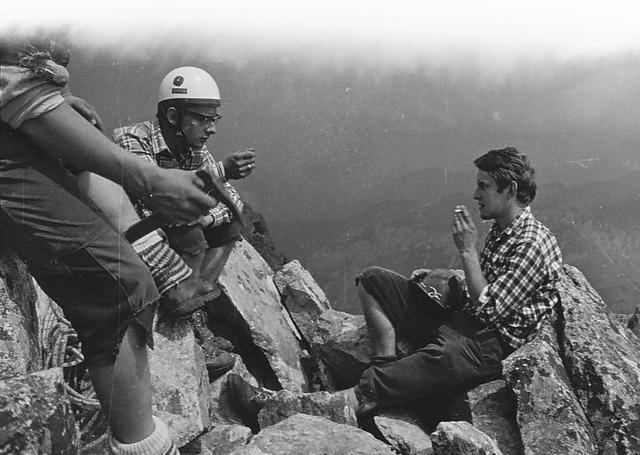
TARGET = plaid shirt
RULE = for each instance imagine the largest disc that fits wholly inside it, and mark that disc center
(522, 265)
(145, 140)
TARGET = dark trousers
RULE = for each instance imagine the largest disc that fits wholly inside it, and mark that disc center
(454, 350)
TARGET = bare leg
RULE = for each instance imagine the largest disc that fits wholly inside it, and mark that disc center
(124, 389)
(111, 199)
(381, 331)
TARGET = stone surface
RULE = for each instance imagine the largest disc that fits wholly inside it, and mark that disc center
(220, 410)
(301, 295)
(403, 434)
(19, 347)
(283, 404)
(603, 361)
(223, 439)
(341, 342)
(550, 417)
(179, 381)
(312, 435)
(634, 322)
(493, 411)
(247, 280)
(36, 416)
(461, 438)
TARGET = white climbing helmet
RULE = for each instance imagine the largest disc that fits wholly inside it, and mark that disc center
(191, 84)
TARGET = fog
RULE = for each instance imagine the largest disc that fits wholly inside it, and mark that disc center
(339, 98)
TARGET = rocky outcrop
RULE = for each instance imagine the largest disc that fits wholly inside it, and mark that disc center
(602, 359)
(550, 417)
(36, 415)
(572, 390)
(19, 347)
(254, 308)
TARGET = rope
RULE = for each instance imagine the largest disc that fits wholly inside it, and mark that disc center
(61, 348)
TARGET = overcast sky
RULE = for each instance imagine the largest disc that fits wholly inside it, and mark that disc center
(493, 33)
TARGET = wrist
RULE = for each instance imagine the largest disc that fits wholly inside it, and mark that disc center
(137, 178)
(468, 254)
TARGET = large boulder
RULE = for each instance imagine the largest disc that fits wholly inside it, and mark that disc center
(603, 361)
(36, 415)
(302, 296)
(19, 347)
(283, 404)
(179, 381)
(254, 308)
(493, 411)
(312, 435)
(341, 342)
(461, 438)
(550, 417)
(403, 433)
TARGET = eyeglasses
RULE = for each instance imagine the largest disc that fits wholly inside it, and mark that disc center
(206, 120)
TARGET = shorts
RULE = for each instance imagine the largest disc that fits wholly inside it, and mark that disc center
(83, 264)
(454, 351)
(196, 239)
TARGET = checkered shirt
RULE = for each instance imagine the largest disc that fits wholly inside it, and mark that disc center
(145, 140)
(522, 265)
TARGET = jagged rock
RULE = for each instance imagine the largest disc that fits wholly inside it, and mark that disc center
(312, 435)
(255, 309)
(634, 322)
(550, 417)
(493, 411)
(341, 342)
(302, 296)
(603, 362)
(255, 230)
(36, 416)
(461, 438)
(19, 349)
(283, 404)
(220, 440)
(179, 380)
(404, 434)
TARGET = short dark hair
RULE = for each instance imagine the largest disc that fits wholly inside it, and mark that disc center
(509, 165)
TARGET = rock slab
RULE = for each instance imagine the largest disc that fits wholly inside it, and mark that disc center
(461, 438)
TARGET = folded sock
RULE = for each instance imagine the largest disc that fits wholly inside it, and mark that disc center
(166, 266)
(157, 443)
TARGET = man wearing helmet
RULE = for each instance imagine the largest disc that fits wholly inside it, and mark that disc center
(188, 112)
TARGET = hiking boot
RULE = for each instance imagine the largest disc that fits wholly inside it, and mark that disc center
(246, 400)
(186, 297)
(219, 364)
(366, 408)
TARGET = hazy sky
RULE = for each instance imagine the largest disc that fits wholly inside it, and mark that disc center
(495, 34)
(338, 96)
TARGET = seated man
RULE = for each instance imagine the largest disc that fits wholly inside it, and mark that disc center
(188, 111)
(460, 334)
(511, 288)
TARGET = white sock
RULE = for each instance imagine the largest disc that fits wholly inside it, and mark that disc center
(157, 443)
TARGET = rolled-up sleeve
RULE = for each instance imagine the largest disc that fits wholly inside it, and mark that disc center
(25, 95)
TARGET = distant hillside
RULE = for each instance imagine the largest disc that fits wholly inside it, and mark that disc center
(403, 226)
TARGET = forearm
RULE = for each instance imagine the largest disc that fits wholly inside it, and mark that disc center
(474, 277)
(78, 144)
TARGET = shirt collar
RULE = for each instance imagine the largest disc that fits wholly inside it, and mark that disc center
(509, 230)
(160, 145)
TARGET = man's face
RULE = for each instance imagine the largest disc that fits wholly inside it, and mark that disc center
(199, 123)
(492, 204)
